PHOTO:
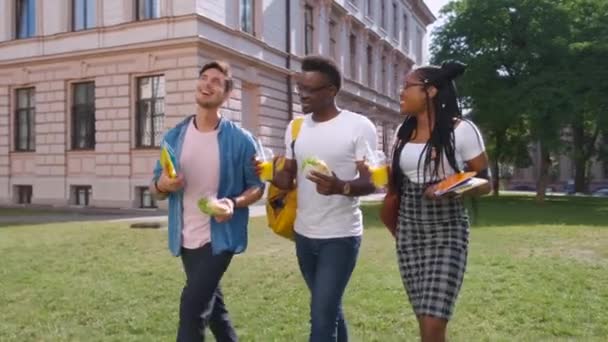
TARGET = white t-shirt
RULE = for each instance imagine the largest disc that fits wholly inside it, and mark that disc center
(340, 143)
(468, 145)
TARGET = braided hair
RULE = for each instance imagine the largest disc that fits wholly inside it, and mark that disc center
(446, 109)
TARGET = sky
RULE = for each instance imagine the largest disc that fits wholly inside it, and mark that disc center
(435, 6)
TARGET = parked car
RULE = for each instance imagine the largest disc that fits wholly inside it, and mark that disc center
(529, 188)
(523, 188)
(602, 192)
(569, 187)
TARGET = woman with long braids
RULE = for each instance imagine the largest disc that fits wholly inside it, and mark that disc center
(432, 232)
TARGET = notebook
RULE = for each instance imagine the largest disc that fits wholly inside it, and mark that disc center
(167, 164)
(459, 183)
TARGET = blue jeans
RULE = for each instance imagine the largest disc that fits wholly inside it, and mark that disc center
(326, 265)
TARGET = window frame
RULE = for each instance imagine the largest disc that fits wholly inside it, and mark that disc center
(353, 54)
(370, 64)
(139, 121)
(395, 21)
(24, 193)
(333, 39)
(79, 111)
(406, 32)
(153, 10)
(30, 119)
(242, 17)
(383, 23)
(141, 192)
(30, 17)
(396, 79)
(85, 26)
(88, 194)
(383, 75)
(369, 9)
(309, 35)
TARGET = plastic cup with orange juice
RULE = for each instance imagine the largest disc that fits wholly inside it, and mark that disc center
(266, 174)
(265, 156)
(378, 168)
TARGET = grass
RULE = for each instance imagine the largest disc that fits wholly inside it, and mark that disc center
(535, 273)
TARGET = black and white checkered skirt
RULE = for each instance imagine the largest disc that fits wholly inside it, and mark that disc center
(432, 243)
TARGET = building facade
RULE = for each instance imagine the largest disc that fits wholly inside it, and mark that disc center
(561, 174)
(88, 87)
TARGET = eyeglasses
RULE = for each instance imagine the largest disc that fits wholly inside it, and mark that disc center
(307, 90)
(410, 85)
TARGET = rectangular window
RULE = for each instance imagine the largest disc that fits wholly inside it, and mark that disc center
(369, 9)
(83, 14)
(370, 66)
(147, 9)
(419, 40)
(247, 10)
(383, 14)
(395, 21)
(396, 75)
(83, 116)
(145, 198)
(308, 29)
(24, 194)
(25, 120)
(333, 43)
(150, 110)
(383, 78)
(353, 56)
(385, 136)
(405, 33)
(25, 12)
(82, 194)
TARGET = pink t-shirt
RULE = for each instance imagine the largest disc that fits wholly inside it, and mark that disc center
(200, 165)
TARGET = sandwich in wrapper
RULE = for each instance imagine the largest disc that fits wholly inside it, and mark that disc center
(213, 207)
(315, 164)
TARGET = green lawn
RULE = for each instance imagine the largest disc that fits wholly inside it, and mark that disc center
(536, 272)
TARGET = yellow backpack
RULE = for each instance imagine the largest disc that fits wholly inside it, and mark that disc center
(281, 204)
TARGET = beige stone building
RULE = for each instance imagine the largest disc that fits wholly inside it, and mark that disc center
(87, 87)
(561, 175)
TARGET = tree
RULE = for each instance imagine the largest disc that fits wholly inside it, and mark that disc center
(587, 82)
(508, 45)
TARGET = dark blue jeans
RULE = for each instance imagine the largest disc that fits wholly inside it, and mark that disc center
(326, 265)
(202, 302)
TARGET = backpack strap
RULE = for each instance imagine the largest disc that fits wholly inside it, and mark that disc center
(296, 125)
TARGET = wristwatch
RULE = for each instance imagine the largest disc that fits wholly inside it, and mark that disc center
(158, 189)
(346, 189)
(233, 200)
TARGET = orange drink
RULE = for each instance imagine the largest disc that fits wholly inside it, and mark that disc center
(267, 170)
(379, 175)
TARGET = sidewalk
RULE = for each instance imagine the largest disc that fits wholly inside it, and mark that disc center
(46, 214)
(256, 210)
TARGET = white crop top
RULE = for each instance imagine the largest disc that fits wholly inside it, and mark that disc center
(468, 145)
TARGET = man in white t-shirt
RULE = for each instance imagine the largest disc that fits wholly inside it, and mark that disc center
(329, 223)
